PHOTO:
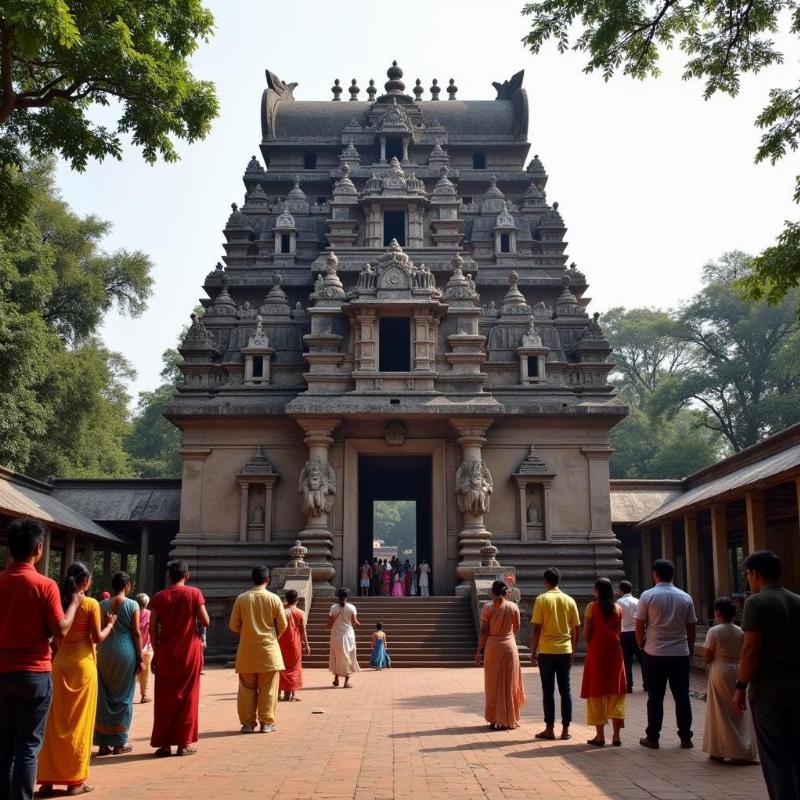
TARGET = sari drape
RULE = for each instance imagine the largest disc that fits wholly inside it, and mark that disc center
(177, 663)
(64, 757)
(291, 644)
(343, 659)
(116, 672)
(502, 672)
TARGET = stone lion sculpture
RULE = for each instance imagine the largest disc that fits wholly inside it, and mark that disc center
(317, 487)
(473, 487)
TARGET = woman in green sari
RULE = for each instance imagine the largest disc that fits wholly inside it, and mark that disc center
(119, 658)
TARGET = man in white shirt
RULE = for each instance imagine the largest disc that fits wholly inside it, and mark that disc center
(666, 626)
(627, 604)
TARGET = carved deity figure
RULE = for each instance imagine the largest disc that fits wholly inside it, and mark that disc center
(317, 487)
(474, 487)
(257, 515)
(533, 514)
(532, 337)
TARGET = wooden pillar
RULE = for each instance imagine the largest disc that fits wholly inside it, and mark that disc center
(69, 553)
(796, 542)
(106, 587)
(692, 550)
(667, 540)
(144, 552)
(646, 540)
(719, 549)
(88, 555)
(756, 522)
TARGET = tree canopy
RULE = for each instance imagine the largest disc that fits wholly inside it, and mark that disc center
(721, 41)
(63, 401)
(61, 60)
(712, 377)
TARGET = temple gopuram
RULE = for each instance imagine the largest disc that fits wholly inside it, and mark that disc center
(395, 318)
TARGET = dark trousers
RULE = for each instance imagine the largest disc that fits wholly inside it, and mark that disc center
(24, 703)
(556, 668)
(630, 650)
(778, 737)
(658, 672)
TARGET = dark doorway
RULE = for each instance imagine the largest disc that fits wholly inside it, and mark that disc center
(394, 344)
(394, 148)
(394, 227)
(395, 478)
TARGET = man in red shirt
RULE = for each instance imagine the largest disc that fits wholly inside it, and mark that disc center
(30, 613)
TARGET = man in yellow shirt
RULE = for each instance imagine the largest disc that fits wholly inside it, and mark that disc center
(259, 619)
(555, 635)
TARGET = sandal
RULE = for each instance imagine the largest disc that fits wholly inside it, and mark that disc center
(104, 750)
(335, 681)
(84, 788)
(186, 751)
(146, 700)
(121, 751)
(565, 736)
(45, 790)
(545, 735)
(596, 742)
(163, 752)
(616, 743)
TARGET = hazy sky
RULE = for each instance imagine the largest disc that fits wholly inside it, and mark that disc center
(652, 181)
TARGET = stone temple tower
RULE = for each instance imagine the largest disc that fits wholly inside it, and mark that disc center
(395, 319)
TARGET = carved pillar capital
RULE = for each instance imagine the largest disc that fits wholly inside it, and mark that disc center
(319, 434)
(471, 432)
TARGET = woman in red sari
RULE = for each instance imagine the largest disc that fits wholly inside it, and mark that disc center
(293, 644)
(604, 684)
(175, 614)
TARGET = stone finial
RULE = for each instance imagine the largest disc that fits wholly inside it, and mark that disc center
(438, 155)
(489, 552)
(418, 90)
(219, 267)
(350, 153)
(452, 89)
(435, 89)
(336, 89)
(331, 263)
(371, 90)
(297, 554)
(394, 85)
(514, 302)
(254, 167)
(354, 90)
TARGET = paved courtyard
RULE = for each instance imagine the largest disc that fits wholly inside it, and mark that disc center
(413, 734)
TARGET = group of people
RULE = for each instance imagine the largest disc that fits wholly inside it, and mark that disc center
(69, 666)
(659, 628)
(393, 578)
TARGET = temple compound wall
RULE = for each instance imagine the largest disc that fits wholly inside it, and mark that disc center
(395, 319)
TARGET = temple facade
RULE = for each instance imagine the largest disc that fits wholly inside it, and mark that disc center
(394, 319)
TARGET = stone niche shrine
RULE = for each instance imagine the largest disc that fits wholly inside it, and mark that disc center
(394, 318)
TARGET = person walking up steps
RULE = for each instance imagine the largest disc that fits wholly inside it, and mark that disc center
(555, 634)
(342, 619)
(666, 626)
(380, 654)
(259, 619)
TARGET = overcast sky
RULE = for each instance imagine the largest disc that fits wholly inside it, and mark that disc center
(651, 180)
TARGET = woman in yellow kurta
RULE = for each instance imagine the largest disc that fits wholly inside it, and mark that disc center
(64, 758)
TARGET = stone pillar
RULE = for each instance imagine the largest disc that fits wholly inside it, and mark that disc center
(756, 522)
(144, 552)
(667, 540)
(719, 549)
(599, 502)
(318, 486)
(646, 543)
(692, 549)
(69, 553)
(44, 562)
(473, 491)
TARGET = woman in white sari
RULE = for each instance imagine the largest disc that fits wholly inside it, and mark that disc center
(727, 735)
(342, 620)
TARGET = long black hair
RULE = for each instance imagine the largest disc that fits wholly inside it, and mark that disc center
(77, 573)
(343, 594)
(605, 596)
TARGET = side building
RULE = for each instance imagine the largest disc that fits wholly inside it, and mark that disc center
(395, 320)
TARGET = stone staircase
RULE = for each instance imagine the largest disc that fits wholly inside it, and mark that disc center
(421, 631)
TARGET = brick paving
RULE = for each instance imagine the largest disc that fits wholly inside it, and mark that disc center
(415, 734)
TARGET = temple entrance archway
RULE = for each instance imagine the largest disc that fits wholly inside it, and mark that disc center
(432, 453)
(399, 484)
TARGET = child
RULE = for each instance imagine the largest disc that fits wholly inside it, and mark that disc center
(380, 655)
(147, 649)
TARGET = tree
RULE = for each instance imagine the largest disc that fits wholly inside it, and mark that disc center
(153, 441)
(721, 41)
(60, 60)
(63, 406)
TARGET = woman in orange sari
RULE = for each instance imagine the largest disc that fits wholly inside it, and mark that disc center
(64, 758)
(293, 644)
(497, 649)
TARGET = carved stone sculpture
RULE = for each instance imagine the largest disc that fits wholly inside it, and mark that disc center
(297, 554)
(533, 514)
(474, 487)
(257, 515)
(317, 487)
